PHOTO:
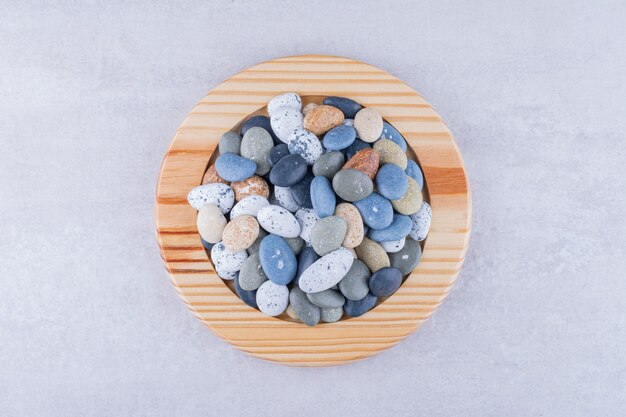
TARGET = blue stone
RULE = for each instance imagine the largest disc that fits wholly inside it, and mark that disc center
(277, 153)
(208, 246)
(385, 281)
(400, 227)
(339, 138)
(277, 260)
(392, 182)
(323, 197)
(259, 121)
(348, 107)
(307, 257)
(376, 211)
(391, 133)
(360, 307)
(288, 171)
(356, 146)
(301, 192)
(248, 297)
(414, 171)
(233, 167)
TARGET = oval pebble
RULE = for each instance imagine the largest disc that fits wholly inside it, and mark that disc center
(248, 206)
(354, 286)
(301, 192)
(285, 199)
(260, 121)
(373, 255)
(307, 257)
(306, 311)
(321, 119)
(348, 107)
(355, 231)
(286, 100)
(256, 145)
(326, 271)
(339, 138)
(399, 228)
(254, 185)
(356, 146)
(352, 185)
(277, 153)
(376, 211)
(277, 260)
(307, 219)
(390, 153)
(251, 275)
(366, 160)
(360, 307)
(210, 176)
(421, 222)
(411, 202)
(329, 164)
(233, 167)
(248, 297)
(211, 223)
(393, 246)
(295, 243)
(219, 194)
(385, 281)
(322, 197)
(288, 171)
(272, 299)
(332, 315)
(391, 133)
(240, 233)
(225, 260)
(230, 142)
(407, 258)
(391, 182)
(328, 234)
(284, 121)
(414, 171)
(369, 124)
(278, 221)
(306, 144)
(327, 299)
(225, 275)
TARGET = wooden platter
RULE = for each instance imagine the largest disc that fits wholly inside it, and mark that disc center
(276, 339)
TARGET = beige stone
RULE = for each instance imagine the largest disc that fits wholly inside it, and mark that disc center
(412, 200)
(373, 255)
(211, 223)
(240, 233)
(368, 124)
(355, 232)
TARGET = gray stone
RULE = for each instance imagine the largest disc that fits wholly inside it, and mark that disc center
(407, 258)
(308, 312)
(230, 142)
(331, 315)
(329, 164)
(352, 185)
(251, 275)
(327, 299)
(354, 286)
(327, 234)
(256, 145)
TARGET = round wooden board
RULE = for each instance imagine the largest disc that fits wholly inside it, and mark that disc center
(290, 343)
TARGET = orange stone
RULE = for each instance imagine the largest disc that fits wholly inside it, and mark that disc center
(254, 185)
(210, 176)
(366, 161)
(321, 119)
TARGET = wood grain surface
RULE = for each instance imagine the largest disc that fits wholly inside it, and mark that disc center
(276, 339)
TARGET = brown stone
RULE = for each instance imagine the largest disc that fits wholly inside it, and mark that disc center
(254, 185)
(240, 233)
(321, 119)
(355, 233)
(366, 161)
(210, 176)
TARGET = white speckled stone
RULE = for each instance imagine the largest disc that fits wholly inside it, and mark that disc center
(288, 100)
(285, 199)
(272, 299)
(225, 260)
(305, 144)
(284, 121)
(216, 193)
(421, 222)
(249, 206)
(326, 271)
(393, 246)
(225, 275)
(307, 219)
(279, 221)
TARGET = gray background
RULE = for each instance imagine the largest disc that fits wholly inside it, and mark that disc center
(90, 96)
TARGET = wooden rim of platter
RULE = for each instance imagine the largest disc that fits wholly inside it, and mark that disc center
(276, 339)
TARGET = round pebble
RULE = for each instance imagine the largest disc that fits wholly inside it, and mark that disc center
(421, 222)
(321, 119)
(373, 255)
(306, 311)
(360, 307)
(385, 281)
(225, 260)
(407, 258)
(332, 315)
(391, 133)
(254, 185)
(301, 191)
(414, 171)
(277, 260)
(210, 176)
(256, 145)
(225, 275)
(286, 100)
(356, 146)
(285, 199)
(251, 275)
(399, 228)
(230, 142)
(339, 137)
(354, 286)
(369, 124)
(366, 160)
(355, 230)
(375, 210)
(284, 121)
(328, 234)
(259, 121)
(240, 233)
(307, 219)
(411, 202)
(219, 194)
(391, 182)
(277, 153)
(233, 167)
(326, 271)
(348, 107)
(272, 299)
(322, 197)
(393, 246)
(390, 153)
(248, 297)
(328, 164)
(278, 221)
(327, 299)
(211, 223)
(248, 206)
(352, 185)
(288, 171)
(306, 144)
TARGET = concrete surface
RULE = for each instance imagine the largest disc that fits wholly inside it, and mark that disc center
(90, 96)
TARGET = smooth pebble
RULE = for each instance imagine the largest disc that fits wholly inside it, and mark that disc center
(375, 210)
(339, 138)
(356, 146)
(272, 299)
(373, 255)
(240, 233)
(326, 271)
(329, 164)
(393, 246)
(286, 100)
(277, 153)
(248, 206)
(391, 133)
(407, 258)
(211, 223)
(225, 260)
(332, 315)
(411, 202)
(354, 286)
(321, 119)
(233, 167)
(278, 221)
(348, 107)
(414, 171)
(254, 185)
(260, 121)
(307, 219)
(323, 197)
(421, 222)
(391, 182)
(285, 199)
(399, 228)
(256, 145)
(251, 275)
(216, 193)
(369, 124)
(327, 299)
(355, 232)
(328, 234)
(306, 311)
(248, 297)
(230, 142)
(284, 121)
(352, 185)
(301, 191)
(306, 144)
(385, 281)
(288, 171)
(277, 260)
(390, 153)
(366, 160)
(358, 308)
